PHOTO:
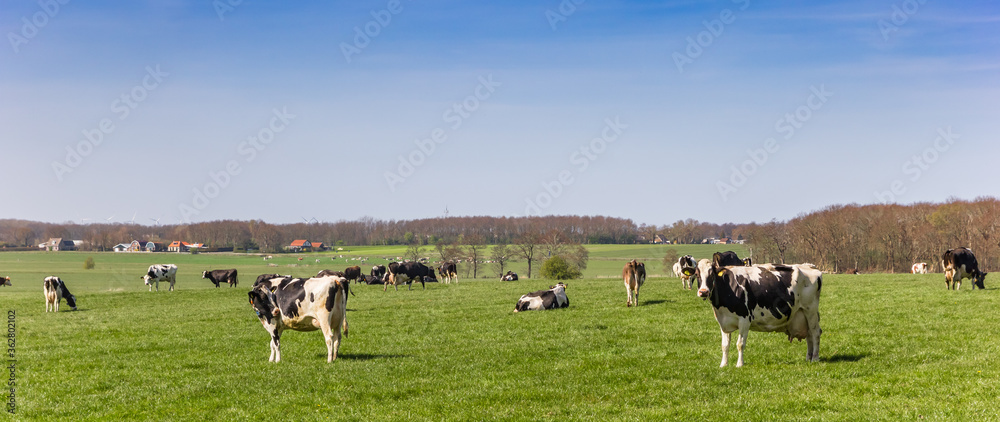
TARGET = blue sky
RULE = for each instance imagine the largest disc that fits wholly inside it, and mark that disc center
(844, 94)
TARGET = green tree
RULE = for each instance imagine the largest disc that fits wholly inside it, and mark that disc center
(556, 268)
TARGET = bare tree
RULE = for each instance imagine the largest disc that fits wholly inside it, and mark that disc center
(526, 247)
(412, 252)
(475, 251)
(500, 255)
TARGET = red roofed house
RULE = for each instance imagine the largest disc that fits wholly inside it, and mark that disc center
(300, 245)
(178, 246)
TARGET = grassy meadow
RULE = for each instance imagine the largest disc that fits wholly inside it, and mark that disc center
(894, 346)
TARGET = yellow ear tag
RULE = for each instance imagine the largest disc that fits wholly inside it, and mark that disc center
(687, 272)
(722, 273)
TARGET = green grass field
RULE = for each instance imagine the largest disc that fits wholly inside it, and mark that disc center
(893, 347)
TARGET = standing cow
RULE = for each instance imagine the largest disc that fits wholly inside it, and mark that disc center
(448, 271)
(961, 263)
(782, 298)
(352, 273)
(554, 297)
(685, 268)
(222, 276)
(55, 291)
(378, 271)
(633, 275)
(160, 272)
(302, 305)
(407, 272)
(919, 268)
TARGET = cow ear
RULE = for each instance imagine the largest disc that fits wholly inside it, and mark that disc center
(722, 273)
(275, 312)
(250, 294)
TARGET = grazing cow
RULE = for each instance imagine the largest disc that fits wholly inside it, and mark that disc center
(854, 271)
(222, 276)
(728, 258)
(633, 275)
(448, 271)
(919, 268)
(408, 271)
(352, 273)
(325, 273)
(782, 298)
(158, 273)
(5, 281)
(747, 262)
(554, 297)
(378, 271)
(55, 291)
(685, 267)
(961, 263)
(302, 305)
(510, 276)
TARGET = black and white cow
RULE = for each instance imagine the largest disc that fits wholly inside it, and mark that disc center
(728, 258)
(326, 273)
(160, 272)
(371, 279)
(510, 276)
(554, 297)
(961, 263)
(633, 275)
(222, 276)
(378, 271)
(407, 272)
(5, 281)
(685, 268)
(266, 279)
(781, 298)
(448, 271)
(55, 291)
(301, 304)
(748, 262)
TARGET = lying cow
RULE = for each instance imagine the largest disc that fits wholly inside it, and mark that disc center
(222, 276)
(510, 276)
(160, 272)
(5, 281)
(685, 268)
(554, 297)
(961, 263)
(782, 298)
(448, 271)
(302, 305)
(407, 272)
(55, 291)
(633, 275)
(371, 279)
(919, 268)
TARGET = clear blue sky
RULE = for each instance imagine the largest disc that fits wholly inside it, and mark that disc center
(848, 91)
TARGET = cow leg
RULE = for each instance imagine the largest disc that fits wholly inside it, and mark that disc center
(275, 348)
(331, 347)
(725, 348)
(812, 353)
(741, 342)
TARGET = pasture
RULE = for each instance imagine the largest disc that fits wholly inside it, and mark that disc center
(893, 347)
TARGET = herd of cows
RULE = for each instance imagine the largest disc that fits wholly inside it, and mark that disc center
(744, 296)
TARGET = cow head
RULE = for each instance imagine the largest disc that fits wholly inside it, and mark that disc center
(263, 303)
(5, 281)
(708, 273)
(559, 285)
(204, 274)
(979, 279)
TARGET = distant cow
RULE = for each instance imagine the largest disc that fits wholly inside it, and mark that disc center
(554, 297)
(371, 279)
(919, 268)
(352, 273)
(510, 276)
(55, 291)
(222, 276)
(633, 275)
(685, 268)
(5, 281)
(854, 271)
(782, 298)
(378, 271)
(728, 258)
(303, 305)
(448, 271)
(961, 263)
(408, 271)
(158, 273)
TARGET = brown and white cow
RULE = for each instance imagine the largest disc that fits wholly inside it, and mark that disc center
(961, 263)
(919, 268)
(633, 275)
(554, 297)
(55, 291)
(222, 276)
(770, 298)
(301, 304)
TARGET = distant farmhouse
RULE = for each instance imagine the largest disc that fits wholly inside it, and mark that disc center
(60, 244)
(151, 246)
(303, 245)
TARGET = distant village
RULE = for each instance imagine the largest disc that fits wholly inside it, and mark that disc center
(59, 244)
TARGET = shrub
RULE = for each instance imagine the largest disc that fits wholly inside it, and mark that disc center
(88, 264)
(556, 268)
